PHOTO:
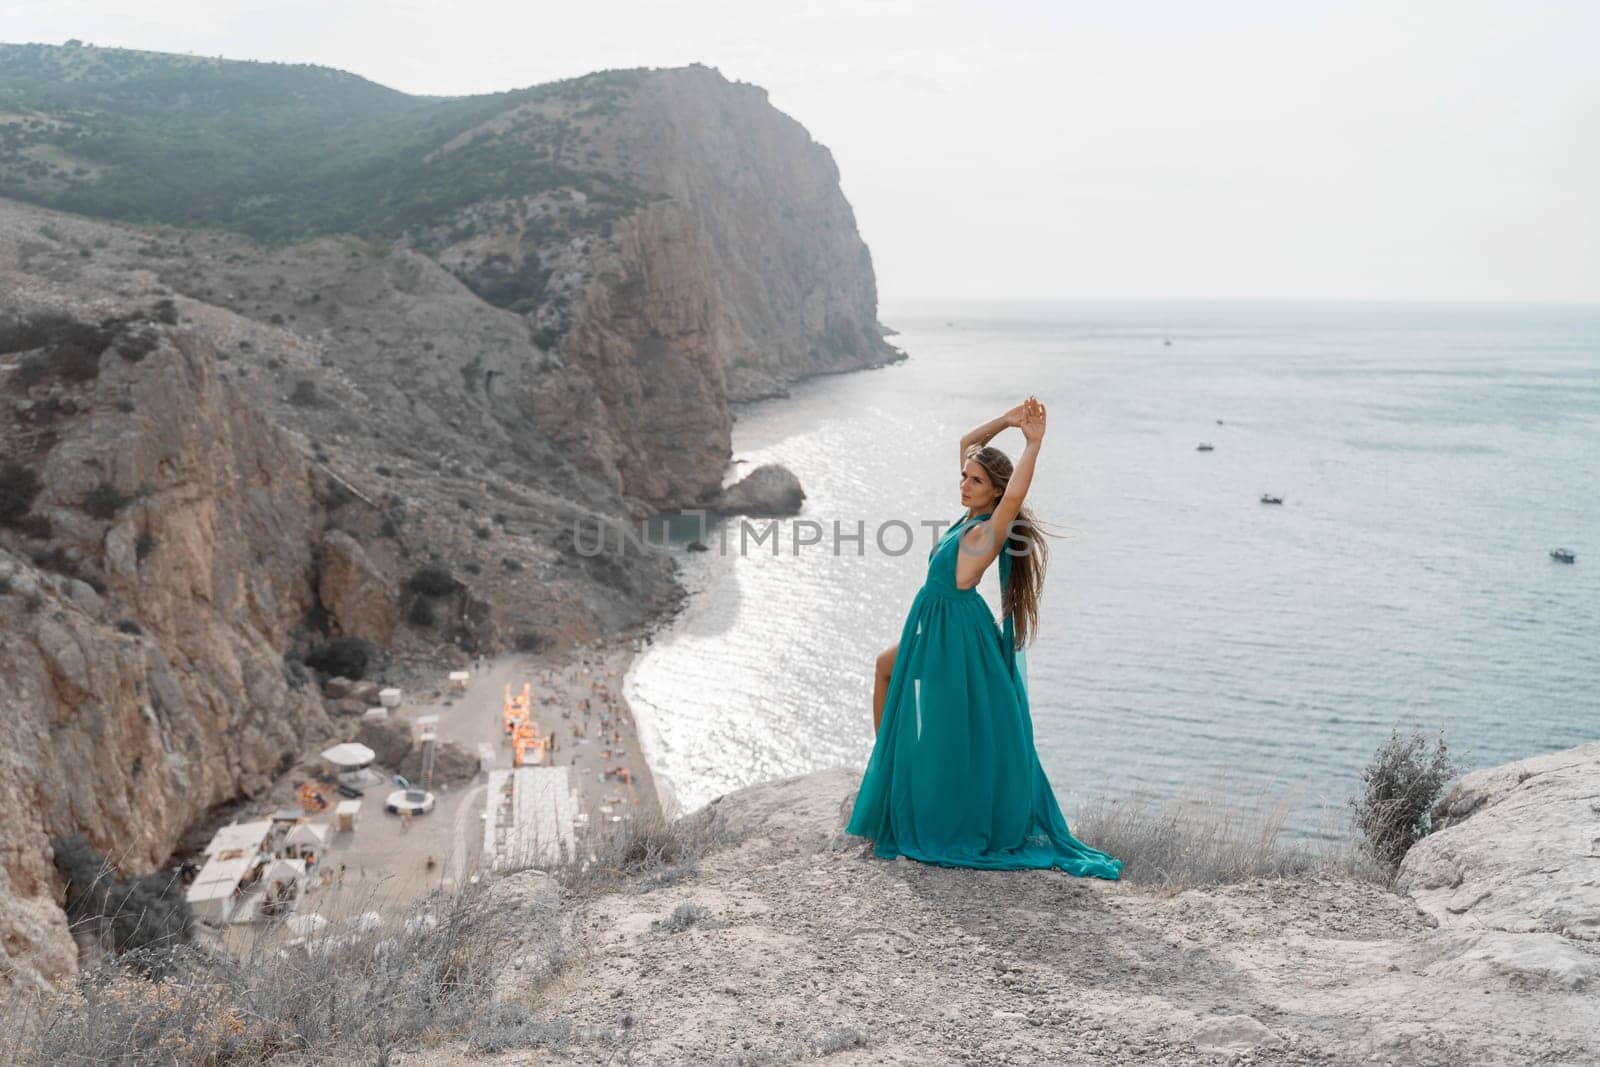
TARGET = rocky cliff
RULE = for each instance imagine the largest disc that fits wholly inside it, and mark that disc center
(329, 408)
(740, 272)
(659, 242)
(148, 591)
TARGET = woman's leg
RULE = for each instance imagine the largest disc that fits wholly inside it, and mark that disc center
(880, 684)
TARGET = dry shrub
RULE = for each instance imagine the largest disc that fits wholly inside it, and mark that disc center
(140, 921)
(643, 852)
(19, 486)
(1211, 836)
(1403, 782)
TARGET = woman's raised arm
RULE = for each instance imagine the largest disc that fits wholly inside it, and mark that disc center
(984, 542)
(980, 435)
(1032, 426)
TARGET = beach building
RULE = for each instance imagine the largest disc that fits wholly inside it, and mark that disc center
(239, 837)
(214, 893)
(232, 856)
(305, 839)
(285, 877)
(344, 816)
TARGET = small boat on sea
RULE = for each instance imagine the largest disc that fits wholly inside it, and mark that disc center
(1268, 498)
(1563, 555)
(1203, 446)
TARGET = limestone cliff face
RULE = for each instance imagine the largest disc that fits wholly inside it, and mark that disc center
(741, 273)
(744, 274)
(794, 292)
(664, 240)
(142, 651)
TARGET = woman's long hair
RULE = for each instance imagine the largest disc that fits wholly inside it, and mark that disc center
(1026, 546)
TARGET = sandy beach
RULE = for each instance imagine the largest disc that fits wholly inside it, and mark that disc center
(388, 862)
(579, 701)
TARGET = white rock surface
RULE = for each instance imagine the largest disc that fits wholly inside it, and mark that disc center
(1513, 877)
(812, 946)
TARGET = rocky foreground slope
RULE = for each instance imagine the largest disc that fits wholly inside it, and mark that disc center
(809, 945)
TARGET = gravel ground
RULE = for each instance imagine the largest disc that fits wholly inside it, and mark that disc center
(809, 946)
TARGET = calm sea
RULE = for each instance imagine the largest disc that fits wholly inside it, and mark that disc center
(1428, 458)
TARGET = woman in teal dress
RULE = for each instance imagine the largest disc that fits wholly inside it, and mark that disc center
(954, 778)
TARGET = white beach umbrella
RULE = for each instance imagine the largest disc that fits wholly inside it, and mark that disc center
(349, 754)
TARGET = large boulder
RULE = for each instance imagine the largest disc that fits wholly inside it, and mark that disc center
(347, 707)
(361, 602)
(769, 490)
(452, 764)
(390, 740)
(1518, 850)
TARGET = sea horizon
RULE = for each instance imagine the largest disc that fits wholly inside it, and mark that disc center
(1421, 390)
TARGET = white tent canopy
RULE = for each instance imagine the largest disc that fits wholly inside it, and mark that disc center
(206, 892)
(229, 869)
(282, 870)
(212, 892)
(242, 836)
(350, 754)
(308, 835)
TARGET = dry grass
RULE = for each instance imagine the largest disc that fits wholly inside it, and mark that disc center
(346, 994)
(350, 993)
(642, 853)
(427, 977)
(1218, 834)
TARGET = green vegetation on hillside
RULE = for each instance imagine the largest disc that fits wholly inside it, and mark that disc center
(284, 152)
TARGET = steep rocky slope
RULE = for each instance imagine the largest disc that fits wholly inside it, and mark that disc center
(260, 431)
(148, 597)
(663, 241)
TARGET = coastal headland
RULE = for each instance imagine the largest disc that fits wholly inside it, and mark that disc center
(360, 427)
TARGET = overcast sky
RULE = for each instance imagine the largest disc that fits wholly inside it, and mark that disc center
(1067, 150)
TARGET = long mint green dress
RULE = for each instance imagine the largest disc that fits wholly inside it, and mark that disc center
(954, 778)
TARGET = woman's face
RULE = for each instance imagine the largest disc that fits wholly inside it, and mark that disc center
(976, 488)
